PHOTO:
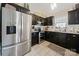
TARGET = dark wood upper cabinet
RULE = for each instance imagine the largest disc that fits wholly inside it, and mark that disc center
(73, 17)
(48, 21)
(36, 18)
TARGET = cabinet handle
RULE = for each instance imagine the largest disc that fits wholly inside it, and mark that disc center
(74, 36)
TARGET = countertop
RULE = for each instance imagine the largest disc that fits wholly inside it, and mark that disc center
(34, 31)
(59, 32)
(62, 32)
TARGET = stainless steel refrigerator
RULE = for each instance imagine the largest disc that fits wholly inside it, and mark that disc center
(16, 32)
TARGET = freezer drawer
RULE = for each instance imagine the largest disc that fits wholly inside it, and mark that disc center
(22, 48)
(9, 51)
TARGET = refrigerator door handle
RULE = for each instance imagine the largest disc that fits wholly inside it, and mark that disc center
(21, 29)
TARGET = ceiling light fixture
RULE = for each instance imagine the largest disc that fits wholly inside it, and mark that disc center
(53, 6)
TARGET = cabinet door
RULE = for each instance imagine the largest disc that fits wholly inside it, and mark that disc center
(51, 37)
(48, 36)
(58, 38)
(34, 22)
(62, 39)
(54, 37)
(50, 20)
(45, 22)
(72, 42)
(75, 43)
(42, 35)
(77, 21)
(42, 21)
(35, 38)
(73, 17)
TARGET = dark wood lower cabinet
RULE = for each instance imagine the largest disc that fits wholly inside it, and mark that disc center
(73, 42)
(66, 40)
(61, 39)
(35, 38)
(57, 38)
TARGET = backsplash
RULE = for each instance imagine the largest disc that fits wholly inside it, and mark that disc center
(69, 28)
(75, 28)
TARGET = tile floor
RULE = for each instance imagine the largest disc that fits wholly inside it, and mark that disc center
(49, 49)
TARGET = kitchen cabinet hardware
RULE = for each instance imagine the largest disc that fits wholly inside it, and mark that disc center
(74, 36)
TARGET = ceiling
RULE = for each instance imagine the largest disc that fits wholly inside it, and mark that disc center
(44, 9)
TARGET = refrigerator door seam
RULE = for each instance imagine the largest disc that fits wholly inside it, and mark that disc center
(14, 44)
